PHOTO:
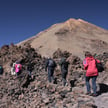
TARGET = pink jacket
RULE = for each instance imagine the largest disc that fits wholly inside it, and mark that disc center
(90, 65)
(18, 67)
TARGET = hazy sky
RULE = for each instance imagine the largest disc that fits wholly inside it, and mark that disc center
(21, 19)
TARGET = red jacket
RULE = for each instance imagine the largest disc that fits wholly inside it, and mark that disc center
(90, 65)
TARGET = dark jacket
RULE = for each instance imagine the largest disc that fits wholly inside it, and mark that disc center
(30, 67)
(64, 65)
(49, 65)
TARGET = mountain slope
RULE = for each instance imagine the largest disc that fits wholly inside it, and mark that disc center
(75, 36)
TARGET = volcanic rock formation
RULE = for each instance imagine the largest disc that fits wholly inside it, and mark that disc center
(21, 92)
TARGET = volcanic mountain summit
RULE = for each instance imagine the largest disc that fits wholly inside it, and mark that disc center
(73, 35)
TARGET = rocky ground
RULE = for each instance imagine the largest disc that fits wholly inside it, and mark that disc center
(22, 92)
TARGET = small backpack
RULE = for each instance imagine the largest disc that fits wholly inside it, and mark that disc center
(18, 66)
(99, 66)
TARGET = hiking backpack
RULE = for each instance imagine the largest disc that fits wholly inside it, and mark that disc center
(51, 63)
(99, 66)
(19, 66)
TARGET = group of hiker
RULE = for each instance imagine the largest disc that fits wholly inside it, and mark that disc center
(50, 66)
(16, 68)
(89, 63)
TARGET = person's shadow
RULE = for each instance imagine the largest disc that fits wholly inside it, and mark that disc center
(103, 88)
(72, 83)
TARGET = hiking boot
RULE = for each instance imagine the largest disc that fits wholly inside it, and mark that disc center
(94, 95)
(88, 93)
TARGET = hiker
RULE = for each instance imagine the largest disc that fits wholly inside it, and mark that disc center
(18, 68)
(64, 69)
(50, 67)
(13, 68)
(30, 69)
(1, 70)
(91, 73)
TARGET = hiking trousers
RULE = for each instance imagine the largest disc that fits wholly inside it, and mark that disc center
(50, 74)
(87, 79)
(29, 73)
(64, 75)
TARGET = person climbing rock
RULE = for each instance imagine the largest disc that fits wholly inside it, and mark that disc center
(1, 69)
(18, 68)
(91, 72)
(30, 68)
(50, 65)
(13, 67)
(64, 70)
